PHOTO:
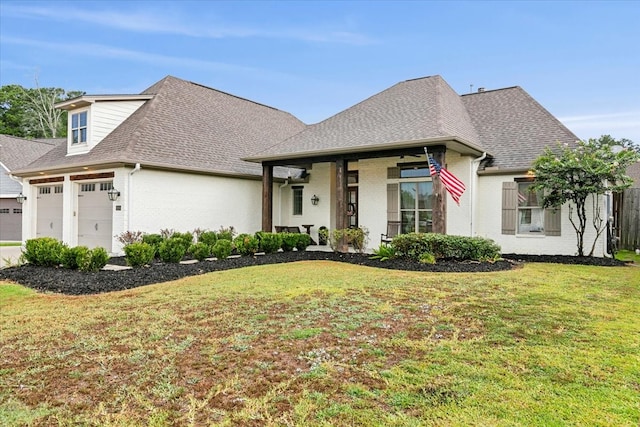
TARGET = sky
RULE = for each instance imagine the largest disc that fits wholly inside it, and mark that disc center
(579, 59)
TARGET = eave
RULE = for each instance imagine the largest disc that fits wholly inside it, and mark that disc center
(86, 100)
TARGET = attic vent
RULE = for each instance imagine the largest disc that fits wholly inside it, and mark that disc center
(480, 89)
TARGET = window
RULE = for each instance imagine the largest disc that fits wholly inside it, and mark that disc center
(297, 200)
(416, 206)
(17, 210)
(530, 211)
(58, 189)
(87, 187)
(44, 190)
(106, 186)
(79, 128)
(4, 211)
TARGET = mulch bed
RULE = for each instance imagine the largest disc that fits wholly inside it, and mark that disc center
(71, 282)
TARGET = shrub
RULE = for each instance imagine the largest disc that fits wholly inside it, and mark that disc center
(138, 254)
(269, 242)
(72, 258)
(304, 240)
(222, 249)
(129, 237)
(427, 258)
(384, 252)
(208, 238)
(44, 251)
(289, 241)
(356, 237)
(226, 233)
(200, 251)
(98, 259)
(185, 238)
(442, 246)
(172, 250)
(246, 244)
(154, 240)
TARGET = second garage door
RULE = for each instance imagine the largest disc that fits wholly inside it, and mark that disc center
(95, 215)
(49, 212)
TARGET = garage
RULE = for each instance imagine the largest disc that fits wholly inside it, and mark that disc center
(95, 215)
(49, 211)
(10, 219)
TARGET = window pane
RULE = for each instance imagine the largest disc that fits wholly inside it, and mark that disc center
(83, 135)
(414, 172)
(74, 121)
(425, 195)
(83, 119)
(527, 197)
(408, 222)
(530, 220)
(75, 137)
(424, 222)
(297, 201)
(408, 195)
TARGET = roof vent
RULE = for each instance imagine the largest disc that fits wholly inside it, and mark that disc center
(480, 89)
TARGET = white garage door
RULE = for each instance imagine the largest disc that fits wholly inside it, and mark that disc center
(95, 215)
(49, 212)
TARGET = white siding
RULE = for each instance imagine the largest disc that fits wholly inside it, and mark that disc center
(489, 217)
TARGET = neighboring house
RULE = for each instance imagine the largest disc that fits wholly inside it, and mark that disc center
(368, 167)
(626, 212)
(183, 156)
(171, 156)
(16, 153)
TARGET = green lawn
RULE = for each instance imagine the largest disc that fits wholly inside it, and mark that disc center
(628, 256)
(330, 344)
(10, 243)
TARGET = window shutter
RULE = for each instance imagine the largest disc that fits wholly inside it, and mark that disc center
(392, 202)
(509, 207)
(393, 173)
(552, 223)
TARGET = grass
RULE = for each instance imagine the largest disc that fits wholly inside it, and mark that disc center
(10, 243)
(320, 343)
(628, 256)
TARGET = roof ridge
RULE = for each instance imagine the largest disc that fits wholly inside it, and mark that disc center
(491, 90)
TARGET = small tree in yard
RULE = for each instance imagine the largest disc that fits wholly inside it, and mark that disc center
(570, 175)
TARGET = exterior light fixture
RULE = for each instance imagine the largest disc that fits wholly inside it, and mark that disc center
(21, 198)
(113, 194)
(314, 200)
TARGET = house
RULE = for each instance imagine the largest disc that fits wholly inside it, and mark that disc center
(184, 156)
(368, 167)
(16, 153)
(168, 158)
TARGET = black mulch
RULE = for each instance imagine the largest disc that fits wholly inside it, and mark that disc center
(70, 282)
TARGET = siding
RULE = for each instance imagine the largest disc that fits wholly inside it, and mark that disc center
(106, 116)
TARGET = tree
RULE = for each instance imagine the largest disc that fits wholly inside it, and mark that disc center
(30, 113)
(571, 175)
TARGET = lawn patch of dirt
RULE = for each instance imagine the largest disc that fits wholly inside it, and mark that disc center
(71, 282)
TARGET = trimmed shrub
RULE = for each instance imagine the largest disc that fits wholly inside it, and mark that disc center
(200, 251)
(269, 242)
(98, 258)
(154, 240)
(222, 249)
(442, 246)
(246, 244)
(208, 238)
(185, 238)
(289, 241)
(172, 250)
(304, 240)
(44, 251)
(226, 233)
(138, 254)
(72, 258)
(356, 237)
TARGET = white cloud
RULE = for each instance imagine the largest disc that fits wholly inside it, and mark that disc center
(623, 124)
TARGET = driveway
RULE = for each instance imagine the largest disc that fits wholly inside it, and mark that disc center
(9, 255)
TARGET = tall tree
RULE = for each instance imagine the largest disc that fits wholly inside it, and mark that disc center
(594, 167)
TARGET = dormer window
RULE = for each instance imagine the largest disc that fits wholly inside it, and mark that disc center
(79, 128)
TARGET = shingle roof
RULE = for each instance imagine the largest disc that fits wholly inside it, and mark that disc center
(513, 126)
(17, 153)
(634, 172)
(413, 110)
(187, 126)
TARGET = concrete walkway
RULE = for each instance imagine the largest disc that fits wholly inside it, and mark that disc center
(9, 255)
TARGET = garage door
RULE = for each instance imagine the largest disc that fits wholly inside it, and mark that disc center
(10, 219)
(95, 214)
(49, 212)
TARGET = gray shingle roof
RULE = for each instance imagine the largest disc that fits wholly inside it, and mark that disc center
(17, 153)
(413, 110)
(187, 126)
(514, 127)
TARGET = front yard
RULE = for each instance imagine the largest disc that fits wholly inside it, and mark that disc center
(326, 343)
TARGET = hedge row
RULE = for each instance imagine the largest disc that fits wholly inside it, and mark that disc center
(50, 252)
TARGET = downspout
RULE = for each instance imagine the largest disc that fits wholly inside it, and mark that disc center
(475, 164)
(129, 194)
(286, 182)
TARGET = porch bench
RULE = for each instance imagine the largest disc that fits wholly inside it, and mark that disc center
(393, 229)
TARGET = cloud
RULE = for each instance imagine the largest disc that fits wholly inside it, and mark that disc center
(623, 124)
(171, 23)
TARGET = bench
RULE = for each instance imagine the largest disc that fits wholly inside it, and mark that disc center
(393, 229)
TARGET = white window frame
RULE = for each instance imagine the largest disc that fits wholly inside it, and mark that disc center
(78, 128)
(530, 212)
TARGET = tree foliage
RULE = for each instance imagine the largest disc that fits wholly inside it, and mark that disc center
(570, 175)
(30, 112)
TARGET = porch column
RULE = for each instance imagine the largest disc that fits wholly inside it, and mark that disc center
(439, 212)
(342, 221)
(267, 198)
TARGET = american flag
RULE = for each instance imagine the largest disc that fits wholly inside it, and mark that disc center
(454, 186)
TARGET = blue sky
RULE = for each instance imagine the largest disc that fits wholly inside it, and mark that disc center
(580, 60)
